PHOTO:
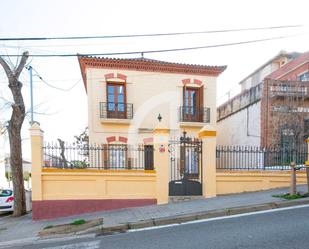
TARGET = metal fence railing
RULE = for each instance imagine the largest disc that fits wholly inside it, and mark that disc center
(116, 110)
(258, 158)
(194, 114)
(105, 156)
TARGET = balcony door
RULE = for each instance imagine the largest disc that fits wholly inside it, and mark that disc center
(193, 104)
(116, 100)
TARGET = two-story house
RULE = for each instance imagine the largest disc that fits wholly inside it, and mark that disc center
(126, 97)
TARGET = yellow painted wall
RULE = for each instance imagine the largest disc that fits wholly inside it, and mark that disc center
(150, 93)
(94, 184)
(243, 181)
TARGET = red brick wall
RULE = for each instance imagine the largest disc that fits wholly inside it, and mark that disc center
(293, 75)
(272, 121)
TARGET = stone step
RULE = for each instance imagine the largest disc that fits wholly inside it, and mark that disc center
(175, 199)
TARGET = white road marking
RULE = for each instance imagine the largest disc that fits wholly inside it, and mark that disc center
(82, 245)
(36, 240)
(220, 218)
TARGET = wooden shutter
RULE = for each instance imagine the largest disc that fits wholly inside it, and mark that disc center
(201, 103)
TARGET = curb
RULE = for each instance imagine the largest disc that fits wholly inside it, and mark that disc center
(71, 228)
(178, 219)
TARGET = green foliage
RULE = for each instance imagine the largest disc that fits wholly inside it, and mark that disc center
(78, 222)
(27, 176)
(49, 226)
(8, 175)
(80, 164)
(291, 197)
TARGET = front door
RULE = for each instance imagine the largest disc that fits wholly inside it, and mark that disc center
(116, 107)
(185, 166)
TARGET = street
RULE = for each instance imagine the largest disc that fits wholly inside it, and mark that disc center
(282, 228)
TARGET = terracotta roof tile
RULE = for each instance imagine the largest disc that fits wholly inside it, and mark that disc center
(147, 65)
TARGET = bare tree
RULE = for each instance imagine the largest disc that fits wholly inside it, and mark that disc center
(63, 160)
(14, 130)
(287, 114)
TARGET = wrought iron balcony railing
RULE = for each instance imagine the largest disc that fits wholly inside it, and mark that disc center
(116, 110)
(194, 114)
(286, 91)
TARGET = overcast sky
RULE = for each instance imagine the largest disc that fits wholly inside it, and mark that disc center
(66, 111)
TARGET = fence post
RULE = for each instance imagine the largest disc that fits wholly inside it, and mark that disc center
(208, 136)
(307, 164)
(36, 135)
(161, 162)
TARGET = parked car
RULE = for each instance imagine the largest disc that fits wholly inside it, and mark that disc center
(6, 200)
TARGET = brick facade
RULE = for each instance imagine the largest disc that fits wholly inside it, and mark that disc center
(284, 106)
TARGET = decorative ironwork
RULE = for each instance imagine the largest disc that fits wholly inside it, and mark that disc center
(258, 158)
(116, 110)
(194, 114)
(186, 166)
(105, 156)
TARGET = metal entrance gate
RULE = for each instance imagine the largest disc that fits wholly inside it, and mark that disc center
(185, 166)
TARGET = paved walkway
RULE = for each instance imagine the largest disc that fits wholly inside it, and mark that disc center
(23, 227)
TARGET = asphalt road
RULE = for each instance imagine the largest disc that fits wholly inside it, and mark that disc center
(279, 229)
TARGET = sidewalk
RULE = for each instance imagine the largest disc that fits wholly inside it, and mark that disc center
(24, 228)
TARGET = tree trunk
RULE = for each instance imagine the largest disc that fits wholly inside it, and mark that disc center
(14, 130)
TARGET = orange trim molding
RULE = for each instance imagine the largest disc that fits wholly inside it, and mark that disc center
(207, 134)
(161, 130)
(56, 170)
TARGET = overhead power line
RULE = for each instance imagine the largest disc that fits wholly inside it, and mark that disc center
(160, 50)
(55, 87)
(143, 35)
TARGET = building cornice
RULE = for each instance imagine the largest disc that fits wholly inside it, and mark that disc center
(146, 65)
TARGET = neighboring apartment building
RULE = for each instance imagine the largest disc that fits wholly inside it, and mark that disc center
(273, 99)
(126, 97)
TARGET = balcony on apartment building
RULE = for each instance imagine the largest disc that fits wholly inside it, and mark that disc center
(116, 112)
(193, 114)
(280, 91)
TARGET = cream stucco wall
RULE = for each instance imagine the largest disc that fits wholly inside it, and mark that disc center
(92, 184)
(241, 128)
(230, 182)
(150, 93)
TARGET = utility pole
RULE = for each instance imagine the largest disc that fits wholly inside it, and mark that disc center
(31, 93)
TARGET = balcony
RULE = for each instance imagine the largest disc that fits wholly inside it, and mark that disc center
(288, 91)
(194, 114)
(117, 112)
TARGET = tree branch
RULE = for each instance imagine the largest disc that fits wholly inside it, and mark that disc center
(6, 68)
(22, 63)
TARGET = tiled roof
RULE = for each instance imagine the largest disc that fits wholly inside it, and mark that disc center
(147, 65)
(282, 53)
(298, 61)
(152, 61)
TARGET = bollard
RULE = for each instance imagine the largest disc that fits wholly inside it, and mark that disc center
(293, 179)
